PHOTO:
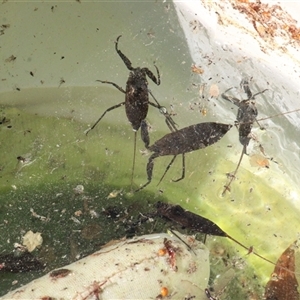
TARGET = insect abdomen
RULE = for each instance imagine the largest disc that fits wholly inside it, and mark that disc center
(190, 138)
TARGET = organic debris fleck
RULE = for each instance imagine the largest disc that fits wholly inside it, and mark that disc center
(32, 240)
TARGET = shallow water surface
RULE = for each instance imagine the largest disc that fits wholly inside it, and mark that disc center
(49, 97)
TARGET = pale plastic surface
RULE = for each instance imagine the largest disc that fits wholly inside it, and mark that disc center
(129, 269)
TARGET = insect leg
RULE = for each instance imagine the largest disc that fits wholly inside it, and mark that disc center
(150, 166)
(245, 86)
(109, 109)
(169, 121)
(167, 169)
(250, 250)
(114, 84)
(261, 92)
(157, 105)
(152, 76)
(183, 169)
(280, 114)
(133, 162)
(260, 127)
(208, 295)
(227, 187)
(233, 100)
(126, 61)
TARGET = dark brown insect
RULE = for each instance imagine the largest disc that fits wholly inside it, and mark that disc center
(136, 98)
(60, 273)
(246, 116)
(182, 141)
(21, 159)
(62, 81)
(188, 219)
(196, 222)
(11, 58)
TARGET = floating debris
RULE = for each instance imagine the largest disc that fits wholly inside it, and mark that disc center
(32, 240)
(79, 189)
(197, 70)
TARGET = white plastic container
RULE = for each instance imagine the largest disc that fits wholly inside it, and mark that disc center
(147, 267)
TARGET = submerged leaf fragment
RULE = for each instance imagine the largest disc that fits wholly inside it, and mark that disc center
(91, 231)
(283, 284)
(25, 262)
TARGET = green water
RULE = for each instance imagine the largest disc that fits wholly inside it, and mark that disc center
(57, 156)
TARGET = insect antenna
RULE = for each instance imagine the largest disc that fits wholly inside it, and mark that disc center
(252, 98)
(280, 114)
